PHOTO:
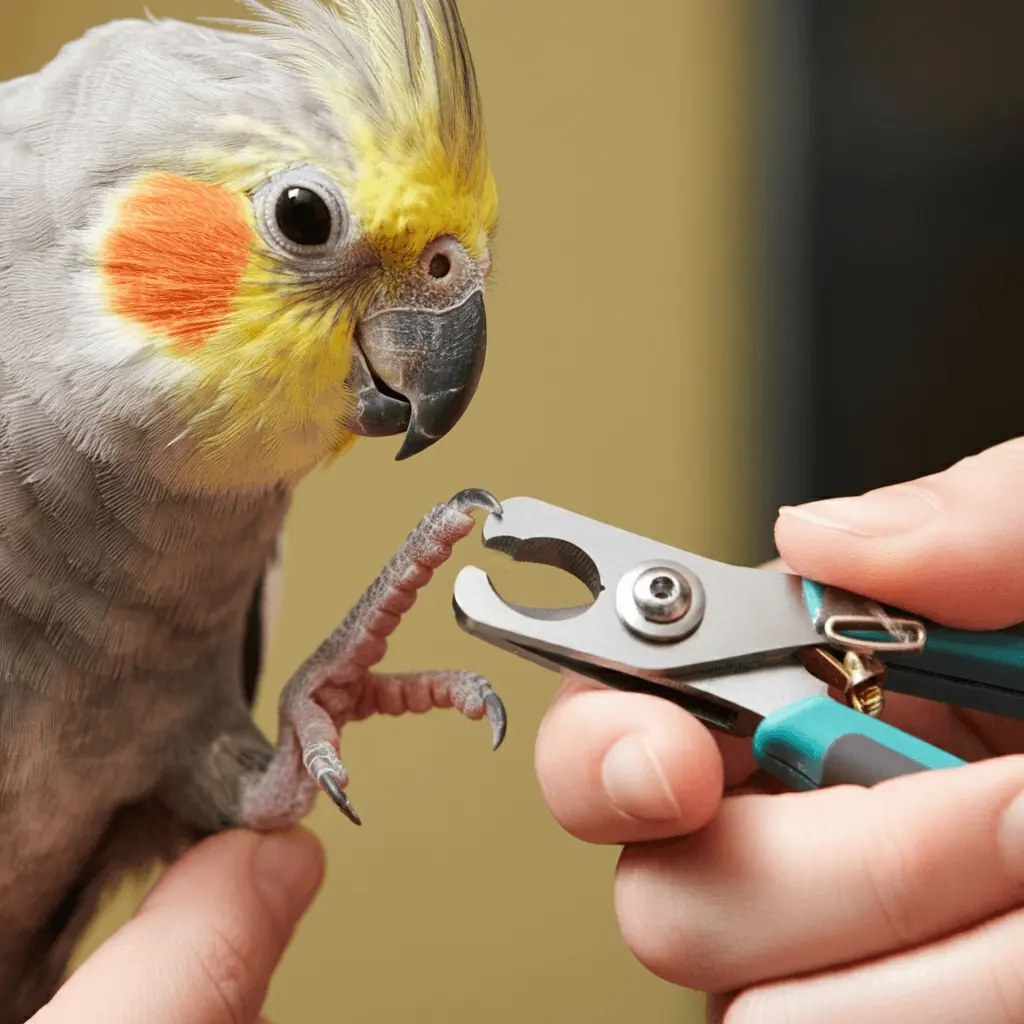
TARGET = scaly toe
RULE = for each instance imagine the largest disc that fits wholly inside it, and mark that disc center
(326, 770)
(474, 498)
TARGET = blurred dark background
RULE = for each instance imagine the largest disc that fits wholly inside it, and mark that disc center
(891, 277)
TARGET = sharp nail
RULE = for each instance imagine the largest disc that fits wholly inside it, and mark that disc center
(498, 718)
(337, 794)
(350, 813)
(475, 498)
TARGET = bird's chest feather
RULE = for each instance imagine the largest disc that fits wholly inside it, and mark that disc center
(122, 610)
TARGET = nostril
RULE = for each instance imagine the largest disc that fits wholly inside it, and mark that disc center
(440, 266)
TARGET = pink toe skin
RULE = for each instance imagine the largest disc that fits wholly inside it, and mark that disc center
(335, 685)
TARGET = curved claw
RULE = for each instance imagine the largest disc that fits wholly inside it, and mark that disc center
(474, 498)
(498, 718)
(337, 794)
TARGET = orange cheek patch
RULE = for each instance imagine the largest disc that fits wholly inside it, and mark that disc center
(176, 255)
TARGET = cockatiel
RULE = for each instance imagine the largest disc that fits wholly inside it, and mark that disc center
(225, 252)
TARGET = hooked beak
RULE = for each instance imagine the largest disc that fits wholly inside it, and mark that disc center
(416, 371)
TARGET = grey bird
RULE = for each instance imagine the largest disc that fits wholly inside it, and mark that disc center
(226, 252)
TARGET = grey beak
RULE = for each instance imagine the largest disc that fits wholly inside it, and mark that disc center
(416, 371)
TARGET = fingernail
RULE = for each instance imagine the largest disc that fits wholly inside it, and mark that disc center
(635, 782)
(1011, 836)
(882, 513)
(290, 865)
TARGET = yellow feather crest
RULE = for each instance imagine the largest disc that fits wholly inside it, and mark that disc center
(400, 78)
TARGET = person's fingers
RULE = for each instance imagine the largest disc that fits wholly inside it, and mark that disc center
(949, 547)
(205, 942)
(975, 976)
(782, 885)
(622, 767)
(587, 788)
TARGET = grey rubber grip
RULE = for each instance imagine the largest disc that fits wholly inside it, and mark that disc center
(860, 761)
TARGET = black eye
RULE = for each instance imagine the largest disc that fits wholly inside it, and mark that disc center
(303, 217)
(440, 266)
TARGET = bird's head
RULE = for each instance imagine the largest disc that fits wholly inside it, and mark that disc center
(298, 234)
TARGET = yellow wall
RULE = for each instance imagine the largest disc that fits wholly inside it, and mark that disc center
(616, 385)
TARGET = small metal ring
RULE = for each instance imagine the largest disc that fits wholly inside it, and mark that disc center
(633, 619)
(835, 627)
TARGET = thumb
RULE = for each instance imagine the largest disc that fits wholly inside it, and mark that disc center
(205, 942)
(949, 547)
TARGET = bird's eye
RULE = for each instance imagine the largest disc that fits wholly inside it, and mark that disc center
(303, 217)
(440, 266)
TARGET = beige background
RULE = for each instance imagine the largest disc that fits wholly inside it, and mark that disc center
(617, 385)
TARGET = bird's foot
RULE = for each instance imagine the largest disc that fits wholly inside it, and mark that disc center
(336, 685)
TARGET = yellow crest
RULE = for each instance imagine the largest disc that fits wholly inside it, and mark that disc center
(399, 77)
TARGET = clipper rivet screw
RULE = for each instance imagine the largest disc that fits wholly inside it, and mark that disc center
(660, 601)
(662, 595)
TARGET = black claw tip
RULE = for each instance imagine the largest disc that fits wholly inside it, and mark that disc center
(498, 718)
(337, 794)
(474, 498)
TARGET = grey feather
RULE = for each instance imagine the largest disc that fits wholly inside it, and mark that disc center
(260, 624)
(133, 593)
(124, 595)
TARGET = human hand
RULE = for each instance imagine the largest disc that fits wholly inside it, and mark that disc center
(203, 945)
(893, 904)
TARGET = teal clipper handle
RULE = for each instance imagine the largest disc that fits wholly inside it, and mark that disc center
(819, 742)
(980, 670)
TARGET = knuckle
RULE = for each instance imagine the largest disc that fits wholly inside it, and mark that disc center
(901, 867)
(888, 869)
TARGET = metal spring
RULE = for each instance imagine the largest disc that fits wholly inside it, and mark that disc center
(868, 700)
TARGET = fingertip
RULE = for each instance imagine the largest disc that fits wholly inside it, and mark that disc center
(619, 767)
(946, 546)
(289, 866)
(208, 937)
(281, 871)
(186, 877)
(955, 573)
(811, 549)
